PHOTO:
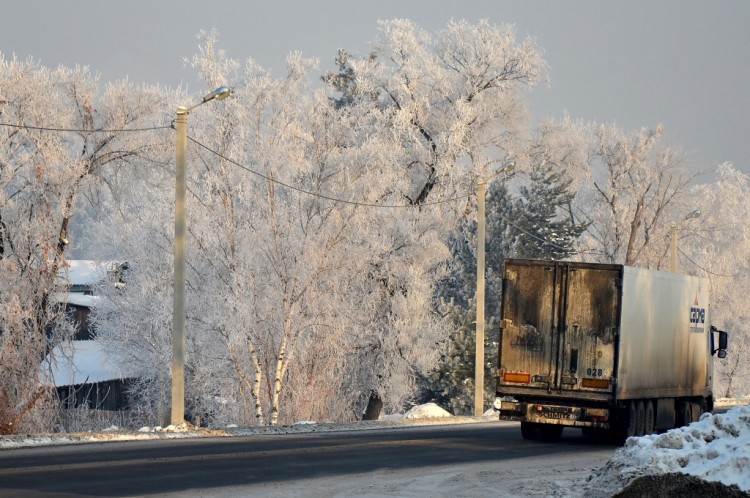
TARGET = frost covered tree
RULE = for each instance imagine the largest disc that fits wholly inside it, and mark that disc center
(265, 274)
(63, 141)
(454, 99)
(633, 182)
(712, 246)
(458, 96)
(317, 230)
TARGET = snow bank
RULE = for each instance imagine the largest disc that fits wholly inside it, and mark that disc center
(429, 410)
(716, 448)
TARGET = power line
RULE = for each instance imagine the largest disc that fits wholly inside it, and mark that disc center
(707, 271)
(81, 130)
(270, 179)
(364, 204)
(324, 196)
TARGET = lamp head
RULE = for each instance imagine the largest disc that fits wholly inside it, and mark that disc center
(693, 214)
(507, 166)
(219, 94)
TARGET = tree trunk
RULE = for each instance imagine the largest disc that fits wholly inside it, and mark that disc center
(374, 407)
(635, 225)
(256, 384)
(280, 369)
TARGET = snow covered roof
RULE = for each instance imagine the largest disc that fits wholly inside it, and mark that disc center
(76, 299)
(81, 274)
(82, 362)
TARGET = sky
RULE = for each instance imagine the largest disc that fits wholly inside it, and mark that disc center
(715, 448)
(678, 63)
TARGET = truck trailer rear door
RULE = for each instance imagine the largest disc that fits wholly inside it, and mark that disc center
(559, 327)
(530, 317)
(588, 329)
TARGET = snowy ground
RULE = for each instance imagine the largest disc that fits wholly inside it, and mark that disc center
(716, 448)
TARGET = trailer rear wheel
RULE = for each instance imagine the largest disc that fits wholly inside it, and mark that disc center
(684, 413)
(529, 430)
(548, 432)
(640, 419)
(695, 412)
(631, 421)
(649, 418)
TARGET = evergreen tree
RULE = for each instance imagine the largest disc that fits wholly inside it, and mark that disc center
(459, 286)
(345, 81)
(451, 384)
(530, 227)
(545, 227)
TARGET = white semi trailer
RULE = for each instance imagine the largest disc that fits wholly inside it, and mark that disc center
(606, 348)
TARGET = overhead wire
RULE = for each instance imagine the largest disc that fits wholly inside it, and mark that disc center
(703, 269)
(365, 204)
(84, 130)
(273, 180)
(324, 196)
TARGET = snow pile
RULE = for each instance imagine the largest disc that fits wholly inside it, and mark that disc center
(30, 440)
(429, 410)
(716, 448)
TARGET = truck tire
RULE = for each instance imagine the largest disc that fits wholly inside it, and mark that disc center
(631, 421)
(549, 432)
(649, 420)
(684, 413)
(695, 412)
(707, 405)
(529, 431)
(640, 417)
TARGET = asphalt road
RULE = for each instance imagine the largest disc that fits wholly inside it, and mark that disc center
(191, 465)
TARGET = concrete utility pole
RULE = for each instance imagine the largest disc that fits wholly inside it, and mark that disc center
(178, 311)
(479, 355)
(479, 351)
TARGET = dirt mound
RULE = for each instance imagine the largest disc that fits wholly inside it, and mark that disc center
(678, 485)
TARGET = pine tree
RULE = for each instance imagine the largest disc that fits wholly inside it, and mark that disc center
(530, 227)
(451, 384)
(345, 81)
(545, 227)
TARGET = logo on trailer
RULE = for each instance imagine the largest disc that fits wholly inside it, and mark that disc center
(697, 316)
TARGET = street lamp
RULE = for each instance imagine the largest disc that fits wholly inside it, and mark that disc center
(479, 354)
(673, 240)
(178, 317)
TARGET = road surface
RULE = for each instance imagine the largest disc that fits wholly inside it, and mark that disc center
(465, 460)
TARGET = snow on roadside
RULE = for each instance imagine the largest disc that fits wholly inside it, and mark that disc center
(427, 411)
(429, 414)
(716, 448)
